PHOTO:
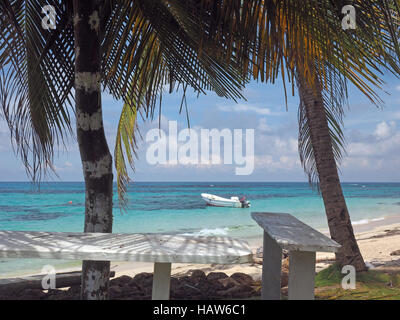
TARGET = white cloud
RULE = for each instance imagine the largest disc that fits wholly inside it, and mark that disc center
(285, 146)
(273, 163)
(380, 151)
(356, 162)
(67, 166)
(383, 130)
(245, 108)
(384, 147)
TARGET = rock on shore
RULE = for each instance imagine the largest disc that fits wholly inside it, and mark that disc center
(196, 285)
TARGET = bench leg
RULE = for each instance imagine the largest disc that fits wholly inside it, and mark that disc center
(301, 275)
(272, 268)
(161, 281)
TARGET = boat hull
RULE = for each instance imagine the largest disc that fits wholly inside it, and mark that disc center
(216, 201)
(222, 204)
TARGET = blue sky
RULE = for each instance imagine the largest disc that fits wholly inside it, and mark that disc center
(373, 138)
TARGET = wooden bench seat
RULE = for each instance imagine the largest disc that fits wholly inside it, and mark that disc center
(158, 248)
(283, 231)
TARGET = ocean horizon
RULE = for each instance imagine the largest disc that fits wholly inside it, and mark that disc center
(177, 208)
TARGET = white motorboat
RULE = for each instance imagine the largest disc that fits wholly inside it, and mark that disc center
(216, 201)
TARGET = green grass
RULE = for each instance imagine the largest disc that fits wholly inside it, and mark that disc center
(370, 285)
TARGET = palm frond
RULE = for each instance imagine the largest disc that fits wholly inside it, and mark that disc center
(125, 148)
(151, 63)
(333, 97)
(308, 40)
(309, 31)
(133, 24)
(36, 94)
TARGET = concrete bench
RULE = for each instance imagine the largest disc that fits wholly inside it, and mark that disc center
(160, 249)
(283, 231)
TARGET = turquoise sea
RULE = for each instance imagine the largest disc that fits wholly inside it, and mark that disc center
(176, 207)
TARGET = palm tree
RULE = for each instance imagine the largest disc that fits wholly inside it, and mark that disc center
(319, 56)
(131, 48)
(321, 140)
(317, 147)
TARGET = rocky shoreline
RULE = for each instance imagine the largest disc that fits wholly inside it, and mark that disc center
(196, 284)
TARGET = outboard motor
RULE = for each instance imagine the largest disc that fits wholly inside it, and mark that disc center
(245, 203)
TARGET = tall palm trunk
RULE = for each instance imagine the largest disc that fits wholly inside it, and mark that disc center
(339, 222)
(95, 155)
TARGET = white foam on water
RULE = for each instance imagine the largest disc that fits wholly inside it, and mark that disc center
(378, 219)
(358, 222)
(366, 221)
(209, 232)
(214, 232)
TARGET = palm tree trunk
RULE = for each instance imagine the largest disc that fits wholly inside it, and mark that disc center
(338, 216)
(95, 154)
